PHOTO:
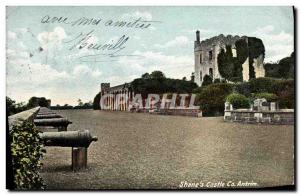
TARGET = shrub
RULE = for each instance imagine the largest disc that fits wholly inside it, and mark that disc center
(211, 99)
(270, 97)
(26, 152)
(207, 80)
(238, 100)
(263, 84)
(285, 90)
(217, 81)
(243, 88)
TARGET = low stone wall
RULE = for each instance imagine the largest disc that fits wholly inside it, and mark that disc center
(283, 116)
(179, 112)
(19, 118)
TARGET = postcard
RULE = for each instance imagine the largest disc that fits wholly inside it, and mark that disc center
(150, 97)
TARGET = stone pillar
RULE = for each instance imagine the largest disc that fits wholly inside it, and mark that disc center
(115, 100)
(118, 101)
(79, 158)
(125, 99)
(273, 106)
(121, 100)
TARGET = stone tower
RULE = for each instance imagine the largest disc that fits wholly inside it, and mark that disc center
(206, 57)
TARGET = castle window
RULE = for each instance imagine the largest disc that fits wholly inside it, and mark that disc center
(210, 55)
(211, 74)
(200, 75)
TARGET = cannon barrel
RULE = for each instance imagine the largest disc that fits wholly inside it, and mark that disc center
(52, 122)
(44, 116)
(68, 138)
(43, 113)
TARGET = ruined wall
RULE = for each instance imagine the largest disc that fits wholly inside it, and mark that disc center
(206, 58)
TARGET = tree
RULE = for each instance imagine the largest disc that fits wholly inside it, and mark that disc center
(193, 77)
(146, 76)
(12, 107)
(211, 98)
(80, 103)
(159, 75)
(96, 102)
(225, 63)
(37, 101)
(207, 80)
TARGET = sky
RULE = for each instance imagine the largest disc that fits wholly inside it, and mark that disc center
(66, 60)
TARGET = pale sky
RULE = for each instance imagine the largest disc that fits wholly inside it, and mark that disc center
(41, 63)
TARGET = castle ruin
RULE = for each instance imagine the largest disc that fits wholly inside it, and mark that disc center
(206, 57)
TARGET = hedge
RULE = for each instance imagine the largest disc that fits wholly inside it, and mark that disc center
(238, 100)
(283, 88)
(27, 151)
(270, 97)
(211, 99)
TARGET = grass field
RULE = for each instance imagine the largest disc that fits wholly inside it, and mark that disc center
(142, 151)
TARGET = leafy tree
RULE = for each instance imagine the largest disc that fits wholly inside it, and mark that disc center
(225, 63)
(212, 98)
(96, 102)
(80, 103)
(193, 77)
(12, 107)
(37, 101)
(230, 67)
(256, 48)
(157, 75)
(146, 76)
(207, 80)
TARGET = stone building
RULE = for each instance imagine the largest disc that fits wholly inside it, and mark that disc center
(206, 57)
(113, 101)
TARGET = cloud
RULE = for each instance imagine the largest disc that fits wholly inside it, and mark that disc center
(84, 70)
(174, 66)
(180, 41)
(11, 35)
(137, 14)
(277, 45)
(264, 30)
(55, 37)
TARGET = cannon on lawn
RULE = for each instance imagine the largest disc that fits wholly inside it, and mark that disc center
(44, 116)
(78, 140)
(60, 123)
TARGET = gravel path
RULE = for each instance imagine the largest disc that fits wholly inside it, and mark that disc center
(136, 150)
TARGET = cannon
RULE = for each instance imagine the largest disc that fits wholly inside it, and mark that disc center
(44, 116)
(45, 113)
(68, 138)
(78, 140)
(61, 123)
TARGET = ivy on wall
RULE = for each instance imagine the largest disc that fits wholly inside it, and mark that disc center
(256, 48)
(230, 67)
(27, 151)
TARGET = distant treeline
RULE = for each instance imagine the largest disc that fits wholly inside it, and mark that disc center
(12, 107)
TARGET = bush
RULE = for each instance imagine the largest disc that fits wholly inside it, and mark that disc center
(285, 90)
(263, 84)
(270, 97)
(27, 151)
(243, 88)
(238, 100)
(207, 80)
(211, 99)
